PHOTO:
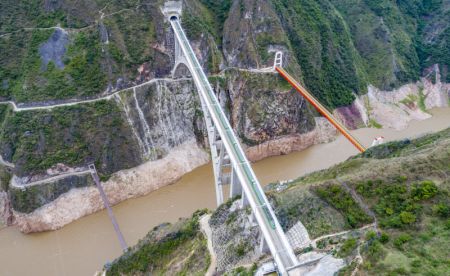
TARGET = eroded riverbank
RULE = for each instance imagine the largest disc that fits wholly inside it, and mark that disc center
(84, 246)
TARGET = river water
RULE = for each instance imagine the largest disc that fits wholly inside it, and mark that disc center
(82, 247)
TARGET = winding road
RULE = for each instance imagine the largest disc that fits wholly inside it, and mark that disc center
(17, 107)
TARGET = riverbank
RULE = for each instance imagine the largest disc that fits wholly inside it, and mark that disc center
(392, 109)
(145, 178)
(85, 245)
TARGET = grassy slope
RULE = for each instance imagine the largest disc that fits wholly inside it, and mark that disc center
(404, 183)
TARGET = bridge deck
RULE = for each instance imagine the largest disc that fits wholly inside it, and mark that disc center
(271, 229)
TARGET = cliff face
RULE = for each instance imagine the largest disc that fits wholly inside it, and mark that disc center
(121, 52)
(395, 109)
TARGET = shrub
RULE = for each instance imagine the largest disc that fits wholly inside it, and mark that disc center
(375, 252)
(384, 238)
(322, 244)
(342, 201)
(441, 210)
(401, 240)
(424, 190)
(416, 263)
(447, 225)
(242, 248)
(371, 235)
(347, 248)
(151, 254)
(399, 271)
(242, 271)
(231, 218)
(407, 217)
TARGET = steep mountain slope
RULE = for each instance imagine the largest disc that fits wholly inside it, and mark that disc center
(118, 55)
(340, 45)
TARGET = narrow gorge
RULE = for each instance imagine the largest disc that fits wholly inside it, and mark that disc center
(144, 130)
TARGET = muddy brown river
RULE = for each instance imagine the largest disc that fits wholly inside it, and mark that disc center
(84, 246)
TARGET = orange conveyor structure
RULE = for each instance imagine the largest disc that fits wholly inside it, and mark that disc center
(310, 98)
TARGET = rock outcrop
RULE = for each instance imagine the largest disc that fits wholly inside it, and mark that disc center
(6, 216)
(397, 108)
(323, 132)
(122, 185)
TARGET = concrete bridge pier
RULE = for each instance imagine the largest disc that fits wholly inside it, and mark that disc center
(235, 185)
(263, 246)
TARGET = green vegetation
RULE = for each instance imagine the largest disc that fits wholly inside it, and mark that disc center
(412, 100)
(375, 124)
(132, 34)
(341, 200)
(421, 100)
(5, 177)
(89, 65)
(32, 13)
(242, 271)
(347, 270)
(204, 25)
(220, 10)
(324, 50)
(411, 211)
(31, 198)
(74, 135)
(373, 253)
(178, 249)
(401, 240)
(421, 251)
(347, 248)
(411, 208)
(343, 45)
(405, 147)
(394, 205)
(340, 46)
(316, 215)
(242, 248)
(30, 80)
(4, 112)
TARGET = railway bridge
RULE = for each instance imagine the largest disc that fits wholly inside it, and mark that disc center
(230, 164)
(229, 161)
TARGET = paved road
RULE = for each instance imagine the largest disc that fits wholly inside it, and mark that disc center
(6, 163)
(50, 179)
(44, 106)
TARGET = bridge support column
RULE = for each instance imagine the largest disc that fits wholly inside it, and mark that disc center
(235, 185)
(223, 171)
(179, 59)
(263, 246)
(278, 62)
(252, 219)
(244, 201)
